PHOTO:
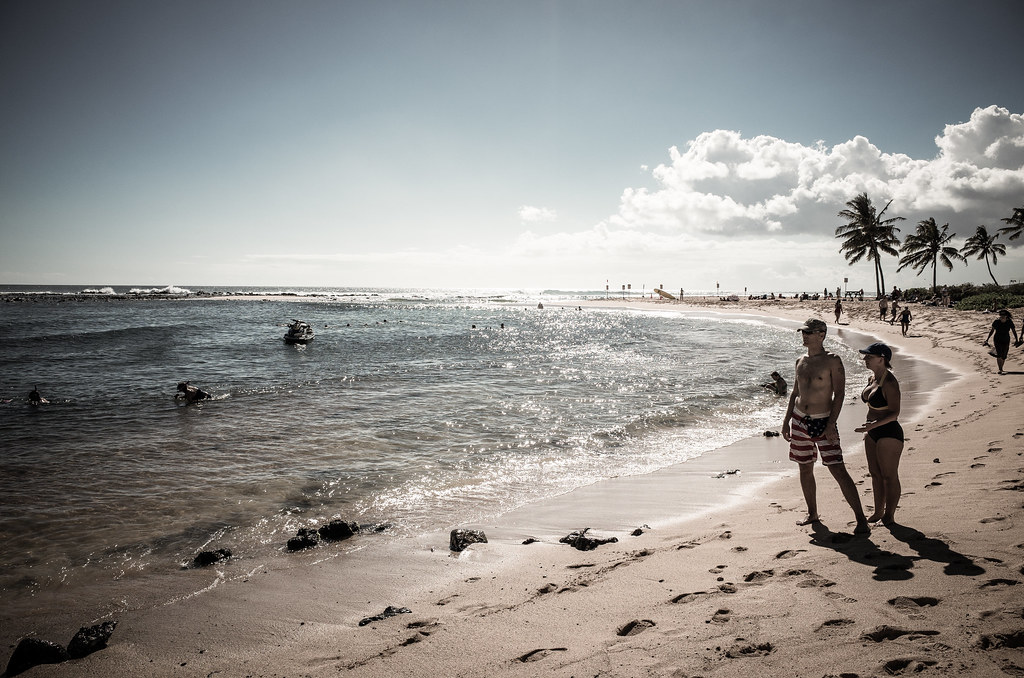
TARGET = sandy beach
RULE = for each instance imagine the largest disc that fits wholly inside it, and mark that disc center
(737, 590)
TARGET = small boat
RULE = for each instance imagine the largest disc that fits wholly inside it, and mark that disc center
(299, 332)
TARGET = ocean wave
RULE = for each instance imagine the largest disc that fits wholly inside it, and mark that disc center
(170, 289)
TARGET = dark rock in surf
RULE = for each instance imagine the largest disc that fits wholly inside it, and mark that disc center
(337, 530)
(581, 542)
(306, 538)
(206, 558)
(460, 539)
(92, 639)
(33, 652)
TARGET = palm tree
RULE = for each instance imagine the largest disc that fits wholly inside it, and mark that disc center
(1016, 223)
(928, 247)
(985, 246)
(866, 235)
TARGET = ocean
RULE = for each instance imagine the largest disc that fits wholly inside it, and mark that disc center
(412, 411)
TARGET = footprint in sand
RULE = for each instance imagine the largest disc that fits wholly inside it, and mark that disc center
(815, 582)
(721, 616)
(834, 624)
(880, 633)
(689, 597)
(897, 667)
(979, 465)
(718, 569)
(789, 553)
(727, 588)
(758, 577)
(739, 549)
(995, 641)
(998, 582)
(751, 650)
(634, 627)
(994, 519)
(538, 654)
(909, 605)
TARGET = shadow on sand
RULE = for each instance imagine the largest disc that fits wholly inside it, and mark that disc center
(936, 550)
(860, 549)
(889, 566)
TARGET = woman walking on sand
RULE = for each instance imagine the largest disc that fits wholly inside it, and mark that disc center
(905, 319)
(883, 439)
(1001, 327)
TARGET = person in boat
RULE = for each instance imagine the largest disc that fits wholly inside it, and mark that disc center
(883, 435)
(191, 394)
(778, 385)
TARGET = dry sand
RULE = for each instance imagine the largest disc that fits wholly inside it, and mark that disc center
(738, 590)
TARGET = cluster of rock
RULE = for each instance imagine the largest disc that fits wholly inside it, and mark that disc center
(581, 542)
(35, 651)
(308, 537)
(460, 539)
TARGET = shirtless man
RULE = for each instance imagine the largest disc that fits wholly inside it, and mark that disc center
(814, 406)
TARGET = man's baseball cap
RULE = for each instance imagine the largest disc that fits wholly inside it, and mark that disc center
(814, 325)
(878, 348)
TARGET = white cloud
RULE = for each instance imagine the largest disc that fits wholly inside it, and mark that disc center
(726, 184)
(530, 214)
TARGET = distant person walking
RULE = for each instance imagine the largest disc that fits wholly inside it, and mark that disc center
(1001, 328)
(883, 307)
(905, 319)
(810, 424)
(883, 439)
(838, 309)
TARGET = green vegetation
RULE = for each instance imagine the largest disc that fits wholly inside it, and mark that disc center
(970, 297)
(866, 235)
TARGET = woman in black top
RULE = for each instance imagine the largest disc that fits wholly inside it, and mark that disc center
(1001, 327)
(883, 439)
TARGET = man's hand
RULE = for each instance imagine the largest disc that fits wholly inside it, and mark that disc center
(785, 430)
(832, 433)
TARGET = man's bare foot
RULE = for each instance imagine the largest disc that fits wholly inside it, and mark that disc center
(888, 521)
(862, 528)
(808, 520)
(874, 517)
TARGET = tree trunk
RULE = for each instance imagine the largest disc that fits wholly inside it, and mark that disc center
(989, 267)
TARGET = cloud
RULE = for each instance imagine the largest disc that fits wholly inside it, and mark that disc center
(530, 214)
(728, 185)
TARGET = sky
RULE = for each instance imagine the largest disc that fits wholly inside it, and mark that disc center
(529, 144)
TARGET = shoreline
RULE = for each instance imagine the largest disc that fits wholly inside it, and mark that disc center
(505, 606)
